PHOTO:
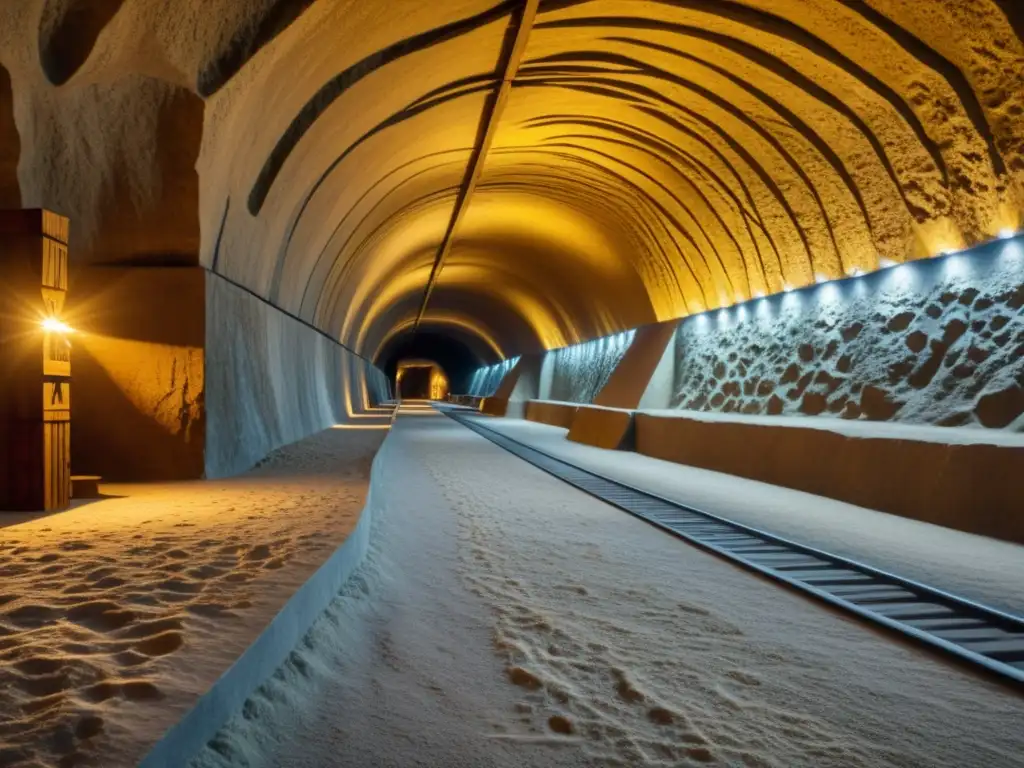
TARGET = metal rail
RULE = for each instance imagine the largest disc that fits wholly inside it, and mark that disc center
(970, 632)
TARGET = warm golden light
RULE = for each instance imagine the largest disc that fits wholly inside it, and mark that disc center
(53, 325)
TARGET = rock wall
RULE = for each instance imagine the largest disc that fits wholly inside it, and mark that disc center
(270, 380)
(377, 385)
(577, 373)
(654, 160)
(486, 380)
(939, 342)
(138, 372)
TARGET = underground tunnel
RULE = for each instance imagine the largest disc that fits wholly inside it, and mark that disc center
(293, 293)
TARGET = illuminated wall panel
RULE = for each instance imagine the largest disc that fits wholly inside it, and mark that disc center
(938, 341)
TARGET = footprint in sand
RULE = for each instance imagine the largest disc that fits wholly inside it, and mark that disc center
(560, 724)
(152, 627)
(258, 552)
(39, 665)
(743, 677)
(133, 690)
(204, 572)
(102, 615)
(210, 610)
(89, 726)
(625, 689)
(180, 586)
(523, 678)
(32, 616)
(660, 716)
(75, 546)
(160, 645)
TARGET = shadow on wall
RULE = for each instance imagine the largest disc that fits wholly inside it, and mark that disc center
(10, 146)
(138, 373)
(114, 438)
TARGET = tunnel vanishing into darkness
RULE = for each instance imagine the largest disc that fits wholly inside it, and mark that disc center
(763, 258)
(472, 180)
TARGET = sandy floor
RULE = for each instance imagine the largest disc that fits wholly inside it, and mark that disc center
(977, 567)
(116, 615)
(504, 618)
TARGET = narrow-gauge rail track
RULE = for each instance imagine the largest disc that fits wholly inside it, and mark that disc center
(981, 636)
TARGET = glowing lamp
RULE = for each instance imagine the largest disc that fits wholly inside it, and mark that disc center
(53, 325)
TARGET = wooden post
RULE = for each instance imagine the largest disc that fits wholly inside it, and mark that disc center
(35, 362)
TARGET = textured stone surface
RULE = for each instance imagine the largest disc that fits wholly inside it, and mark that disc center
(139, 383)
(653, 159)
(487, 379)
(579, 372)
(647, 359)
(270, 380)
(937, 343)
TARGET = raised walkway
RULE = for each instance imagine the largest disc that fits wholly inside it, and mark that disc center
(504, 618)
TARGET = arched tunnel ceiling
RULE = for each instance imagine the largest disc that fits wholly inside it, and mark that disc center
(645, 160)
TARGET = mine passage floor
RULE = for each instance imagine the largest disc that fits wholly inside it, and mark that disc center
(115, 616)
(504, 618)
(986, 639)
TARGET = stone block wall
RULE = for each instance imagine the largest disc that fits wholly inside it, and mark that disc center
(937, 342)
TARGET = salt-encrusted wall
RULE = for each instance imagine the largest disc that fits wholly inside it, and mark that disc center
(577, 373)
(270, 380)
(377, 385)
(486, 380)
(939, 341)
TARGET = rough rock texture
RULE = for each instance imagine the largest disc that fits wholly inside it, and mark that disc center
(653, 160)
(378, 388)
(486, 380)
(139, 379)
(256, 398)
(939, 342)
(578, 373)
(118, 615)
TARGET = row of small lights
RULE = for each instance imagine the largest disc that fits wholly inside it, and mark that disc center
(1004, 234)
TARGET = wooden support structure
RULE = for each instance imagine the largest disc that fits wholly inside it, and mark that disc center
(35, 362)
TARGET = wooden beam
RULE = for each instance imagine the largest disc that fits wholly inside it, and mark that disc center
(490, 119)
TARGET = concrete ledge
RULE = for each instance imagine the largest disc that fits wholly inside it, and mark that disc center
(958, 478)
(601, 427)
(552, 412)
(494, 406)
(470, 401)
(273, 646)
